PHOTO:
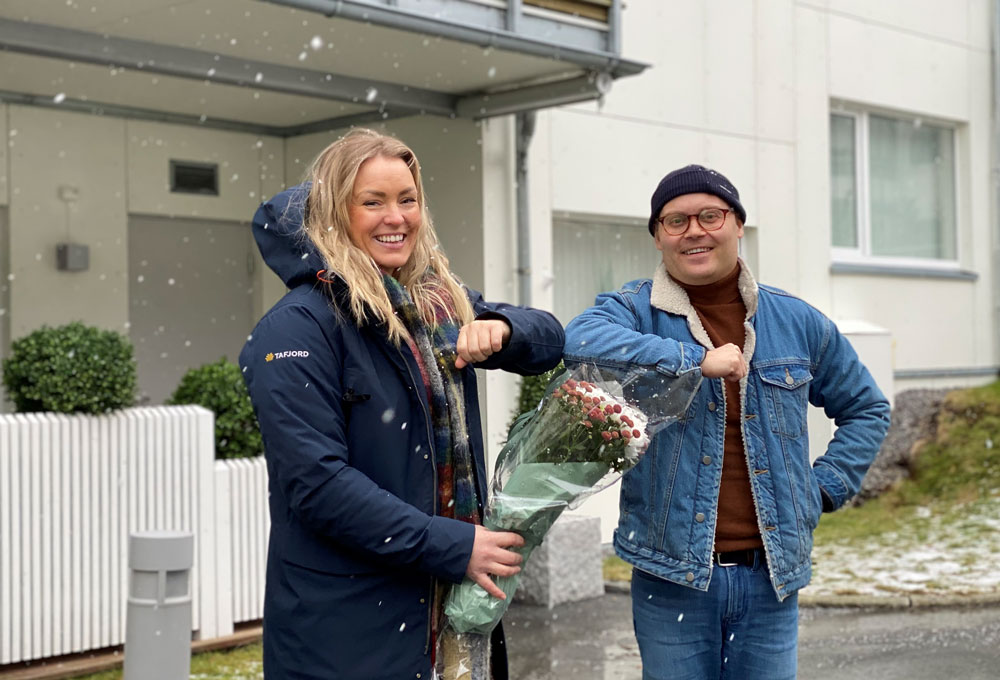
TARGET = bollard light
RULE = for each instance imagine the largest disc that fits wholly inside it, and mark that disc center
(158, 624)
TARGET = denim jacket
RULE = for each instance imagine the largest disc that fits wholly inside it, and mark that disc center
(796, 357)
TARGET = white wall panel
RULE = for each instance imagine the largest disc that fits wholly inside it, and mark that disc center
(880, 66)
(903, 305)
(609, 166)
(53, 149)
(932, 19)
(151, 147)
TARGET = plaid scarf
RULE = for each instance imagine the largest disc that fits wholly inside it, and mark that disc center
(452, 453)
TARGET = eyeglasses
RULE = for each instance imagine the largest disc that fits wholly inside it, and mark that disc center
(710, 219)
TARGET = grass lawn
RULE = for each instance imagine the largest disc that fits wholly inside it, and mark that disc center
(239, 663)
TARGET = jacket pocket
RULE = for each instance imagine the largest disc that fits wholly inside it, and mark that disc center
(817, 500)
(787, 390)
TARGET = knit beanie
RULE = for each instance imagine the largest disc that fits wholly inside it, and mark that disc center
(693, 179)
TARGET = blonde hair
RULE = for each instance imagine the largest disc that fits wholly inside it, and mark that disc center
(426, 274)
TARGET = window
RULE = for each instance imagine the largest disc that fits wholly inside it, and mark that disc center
(892, 188)
(597, 254)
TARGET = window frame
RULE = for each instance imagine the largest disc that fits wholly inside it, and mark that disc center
(862, 253)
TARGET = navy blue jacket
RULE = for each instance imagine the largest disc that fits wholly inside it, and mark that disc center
(356, 542)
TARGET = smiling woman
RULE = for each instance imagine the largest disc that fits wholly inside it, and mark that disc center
(371, 424)
(385, 215)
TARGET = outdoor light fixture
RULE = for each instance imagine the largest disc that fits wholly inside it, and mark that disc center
(71, 257)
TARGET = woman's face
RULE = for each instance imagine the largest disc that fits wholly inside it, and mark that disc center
(384, 212)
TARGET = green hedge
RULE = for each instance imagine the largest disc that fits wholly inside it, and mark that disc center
(532, 390)
(70, 369)
(219, 388)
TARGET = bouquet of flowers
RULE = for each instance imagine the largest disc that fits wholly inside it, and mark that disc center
(590, 427)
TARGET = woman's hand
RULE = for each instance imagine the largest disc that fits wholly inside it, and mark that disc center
(479, 339)
(490, 556)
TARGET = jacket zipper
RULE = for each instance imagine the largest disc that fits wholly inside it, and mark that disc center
(434, 496)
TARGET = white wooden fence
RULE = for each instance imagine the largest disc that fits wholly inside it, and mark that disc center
(71, 490)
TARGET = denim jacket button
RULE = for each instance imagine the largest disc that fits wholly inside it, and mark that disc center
(711, 406)
(689, 577)
(700, 517)
(707, 460)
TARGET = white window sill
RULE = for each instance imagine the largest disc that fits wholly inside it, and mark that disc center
(906, 271)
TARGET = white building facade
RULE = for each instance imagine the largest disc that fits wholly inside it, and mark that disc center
(861, 136)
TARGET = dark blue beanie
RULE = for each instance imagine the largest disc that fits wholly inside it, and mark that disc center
(693, 179)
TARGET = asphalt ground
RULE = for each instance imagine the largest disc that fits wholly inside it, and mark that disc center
(840, 638)
(593, 640)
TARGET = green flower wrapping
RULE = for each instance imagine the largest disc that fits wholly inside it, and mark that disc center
(590, 427)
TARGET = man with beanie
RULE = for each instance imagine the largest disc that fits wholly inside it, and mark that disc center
(717, 517)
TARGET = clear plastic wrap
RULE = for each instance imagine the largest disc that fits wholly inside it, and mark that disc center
(592, 425)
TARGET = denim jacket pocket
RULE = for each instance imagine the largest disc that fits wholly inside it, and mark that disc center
(787, 390)
(816, 499)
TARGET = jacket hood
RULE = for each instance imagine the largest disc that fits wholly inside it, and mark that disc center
(277, 228)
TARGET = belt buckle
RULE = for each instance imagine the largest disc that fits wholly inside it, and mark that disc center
(720, 563)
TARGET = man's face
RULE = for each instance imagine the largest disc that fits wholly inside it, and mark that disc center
(699, 257)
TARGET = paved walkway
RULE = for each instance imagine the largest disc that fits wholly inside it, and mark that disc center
(593, 640)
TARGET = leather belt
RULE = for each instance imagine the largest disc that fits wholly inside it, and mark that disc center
(733, 558)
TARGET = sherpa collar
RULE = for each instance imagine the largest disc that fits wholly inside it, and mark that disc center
(668, 296)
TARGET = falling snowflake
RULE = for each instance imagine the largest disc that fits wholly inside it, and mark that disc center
(316, 43)
(59, 98)
(402, 627)
(370, 94)
(680, 618)
(388, 415)
(389, 538)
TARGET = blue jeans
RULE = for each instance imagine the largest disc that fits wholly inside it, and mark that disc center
(735, 631)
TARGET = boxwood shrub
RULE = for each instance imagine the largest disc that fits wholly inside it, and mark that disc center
(533, 389)
(70, 369)
(219, 388)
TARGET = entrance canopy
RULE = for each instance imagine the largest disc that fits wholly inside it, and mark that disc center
(291, 67)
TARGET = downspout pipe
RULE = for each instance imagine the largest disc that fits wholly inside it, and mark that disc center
(996, 181)
(525, 130)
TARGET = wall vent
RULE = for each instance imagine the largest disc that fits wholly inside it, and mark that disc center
(187, 177)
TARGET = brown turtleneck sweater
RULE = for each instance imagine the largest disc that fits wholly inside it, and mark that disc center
(722, 312)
